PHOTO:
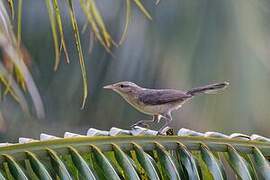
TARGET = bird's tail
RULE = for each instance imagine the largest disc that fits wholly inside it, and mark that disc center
(208, 89)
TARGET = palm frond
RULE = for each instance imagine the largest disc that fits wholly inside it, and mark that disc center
(13, 59)
(94, 21)
(145, 156)
(98, 27)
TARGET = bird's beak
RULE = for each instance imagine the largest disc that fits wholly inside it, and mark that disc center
(109, 87)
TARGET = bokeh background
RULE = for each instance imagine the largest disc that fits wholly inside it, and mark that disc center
(187, 44)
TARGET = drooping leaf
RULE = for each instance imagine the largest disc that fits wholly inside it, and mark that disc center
(213, 164)
(136, 165)
(124, 162)
(9, 47)
(19, 21)
(2, 176)
(85, 4)
(261, 164)
(13, 88)
(141, 7)
(98, 18)
(204, 172)
(154, 165)
(29, 170)
(71, 167)
(104, 163)
(79, 49)
(60, 29)
(38, 167)
(128, 14)
(166, 162)
(248, 159)
(81, 165)
(146, 162)
(11, 7)
(188, 161)
(54, 32)
(111, 157)
(239, 164)
(15, 169)
(59, 166)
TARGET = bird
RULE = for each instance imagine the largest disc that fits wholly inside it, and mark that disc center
(159, 103)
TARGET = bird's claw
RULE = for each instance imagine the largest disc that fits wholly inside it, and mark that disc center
(166, 131)
(140, 124)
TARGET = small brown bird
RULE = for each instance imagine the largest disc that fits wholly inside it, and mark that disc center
(159, 102)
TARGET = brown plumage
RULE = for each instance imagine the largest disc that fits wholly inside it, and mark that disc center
(159, 102)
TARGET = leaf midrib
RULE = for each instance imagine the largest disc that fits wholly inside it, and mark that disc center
(103, 142)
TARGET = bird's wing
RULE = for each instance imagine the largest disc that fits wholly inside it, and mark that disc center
(156, 97)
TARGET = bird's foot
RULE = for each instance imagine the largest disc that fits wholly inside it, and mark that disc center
(166, 131)
(141, 124)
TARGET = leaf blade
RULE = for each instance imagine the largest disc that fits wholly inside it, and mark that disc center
(60, 28)
(145, 162)
(141, 7)
(261, 164)
(59, 165)
(212, 163)
(188, 162)
(128, 15)
(15, 169)
(81, 165)
(103, 162)
(38, 167)
(166, 162)
(239, 164)
(121, 157)
(79, 49)
(54, 32)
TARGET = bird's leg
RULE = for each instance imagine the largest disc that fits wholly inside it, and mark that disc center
(168, 119)
(144, 123)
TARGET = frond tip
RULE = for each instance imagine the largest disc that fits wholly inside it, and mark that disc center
(122, 154)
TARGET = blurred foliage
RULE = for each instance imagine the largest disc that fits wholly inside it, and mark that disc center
(188, 43)
(94, 19)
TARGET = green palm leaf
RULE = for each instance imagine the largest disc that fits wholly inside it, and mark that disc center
(261, 164)
(239, 164)
(152, 157)
(213, 164)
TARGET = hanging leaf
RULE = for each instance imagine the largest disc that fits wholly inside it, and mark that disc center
(79, 49)
(11, 7)
(141, 7)
(146, 162)
(261, 164)
(104, 163)
(60, 29)
(15, 169)
(239, 164)
(166, 162)
(128, 15)
(38, 167)
(188, 161)
(213, 164)
(123, 160)
(19, 27)
(58, 165)
(81, 165)
(54, 32)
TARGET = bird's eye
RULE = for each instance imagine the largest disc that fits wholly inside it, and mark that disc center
(123, 86)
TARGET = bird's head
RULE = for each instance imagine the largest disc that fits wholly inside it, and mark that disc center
(124, 87)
